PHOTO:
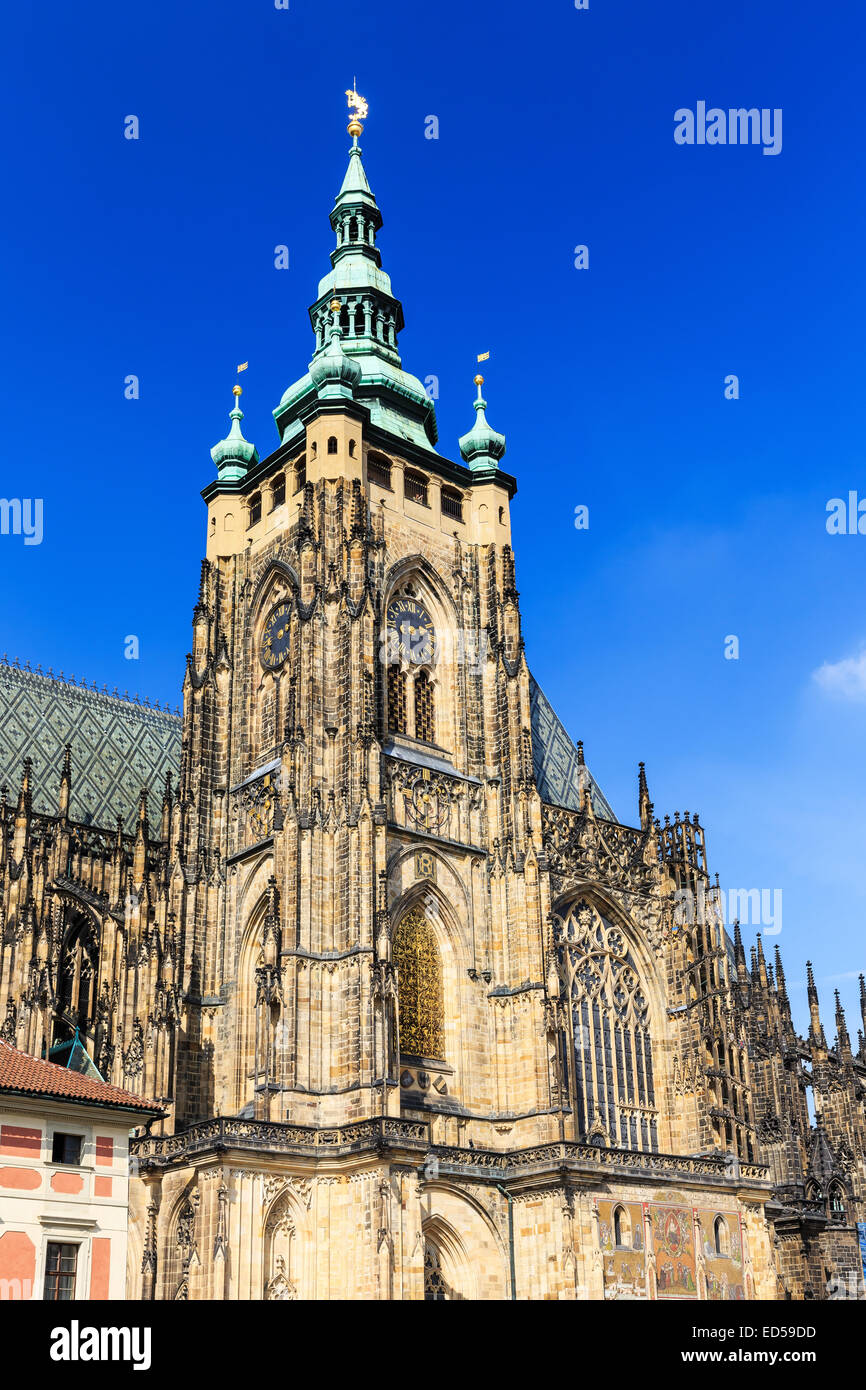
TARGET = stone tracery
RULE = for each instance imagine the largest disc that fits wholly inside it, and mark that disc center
(614, 1087)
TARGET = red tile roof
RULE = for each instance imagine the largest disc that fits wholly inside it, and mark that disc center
(26, 1075)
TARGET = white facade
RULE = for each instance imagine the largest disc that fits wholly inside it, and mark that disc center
(47, 1203)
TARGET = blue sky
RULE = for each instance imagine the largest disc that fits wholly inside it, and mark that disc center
(707, 516)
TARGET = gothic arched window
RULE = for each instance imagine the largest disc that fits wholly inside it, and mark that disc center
(425, 724)
(721, 1239)
(436, 1286)
(397, 699)
(613, 1064)
(77, 979)
(419, 987)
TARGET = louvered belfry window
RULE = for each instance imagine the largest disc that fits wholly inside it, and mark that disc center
(424, 720)
(397, 699)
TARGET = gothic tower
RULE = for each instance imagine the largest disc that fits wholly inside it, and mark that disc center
(356, 791)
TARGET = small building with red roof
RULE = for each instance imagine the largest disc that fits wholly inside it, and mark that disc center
(64, 1178)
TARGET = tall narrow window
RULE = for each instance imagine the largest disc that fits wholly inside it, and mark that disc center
(397, 700)
(61, 1261)
(301, 473)
(255, 506)
(424, 720)
(332, 444)
(720, 1236)
(278, 491)
(419, 988)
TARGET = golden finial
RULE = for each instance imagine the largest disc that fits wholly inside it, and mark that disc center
(237, 390)
(335, 306)
(479, 380)
(359, 109)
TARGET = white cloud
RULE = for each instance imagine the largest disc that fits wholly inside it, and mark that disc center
(844, 680)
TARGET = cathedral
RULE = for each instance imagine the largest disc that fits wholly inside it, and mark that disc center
(426, 1020)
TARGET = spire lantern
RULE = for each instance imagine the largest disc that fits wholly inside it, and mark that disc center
(370, 320)
(234, 455)
(482, 447)
(335, 374)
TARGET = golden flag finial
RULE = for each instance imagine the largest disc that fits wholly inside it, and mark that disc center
(359, 109)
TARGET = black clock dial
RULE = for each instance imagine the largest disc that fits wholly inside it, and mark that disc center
(411, 634)
(275, 642)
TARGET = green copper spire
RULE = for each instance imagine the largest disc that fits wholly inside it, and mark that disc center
(369, 321)
(482, 447)
(234, 454)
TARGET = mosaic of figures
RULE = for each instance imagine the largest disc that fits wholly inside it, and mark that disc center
(651, 1250)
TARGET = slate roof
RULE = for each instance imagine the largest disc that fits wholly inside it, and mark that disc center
(118, 746)
(555, 759)
(21, 1074)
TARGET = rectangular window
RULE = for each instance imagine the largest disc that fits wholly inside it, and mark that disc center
(60, 1266)
(66, 1148)
(415, 488)
(378, 471)
(452, 504)
(255, 509)
(278, 495)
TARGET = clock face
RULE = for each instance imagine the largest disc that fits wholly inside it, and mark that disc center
(411, 634)
(275, 642)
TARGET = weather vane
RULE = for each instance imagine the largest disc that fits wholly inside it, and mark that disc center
(358, 108)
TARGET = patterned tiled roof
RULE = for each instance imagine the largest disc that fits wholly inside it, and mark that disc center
(555, 760)
(25, 1075)
(118, 745)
